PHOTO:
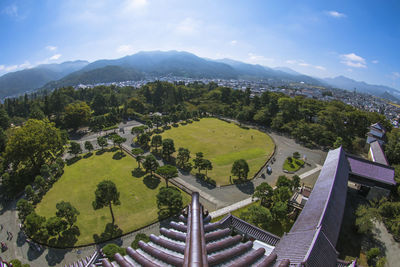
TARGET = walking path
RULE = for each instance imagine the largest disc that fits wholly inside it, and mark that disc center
(231, 208)
(310, 172)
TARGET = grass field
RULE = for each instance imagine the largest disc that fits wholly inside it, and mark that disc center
(295, 166)
(223, 143)
(77, 185)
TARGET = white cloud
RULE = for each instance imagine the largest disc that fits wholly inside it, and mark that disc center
(11, 11)
(124, 49)
(2, 67)
(375, 61)
(335, 14)
(51, 48)
(55, 57)
(258, 59)
(353, 60)
(24, 65)
(395, 75)
(302, 63)
(233, 42)
(135, 4)
(188, 26)
(320, 68)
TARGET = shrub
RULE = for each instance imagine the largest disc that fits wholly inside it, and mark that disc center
(373, 253)
(296, 155)
(111, 249)
(16, 263)
(289, 159)
(138, 237)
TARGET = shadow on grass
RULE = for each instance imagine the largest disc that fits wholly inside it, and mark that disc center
(111, 231)
(88, 155)
(151, 182)
(119, 155)
(73, 160)
(100, 152)
(113, 149)
(138, 172)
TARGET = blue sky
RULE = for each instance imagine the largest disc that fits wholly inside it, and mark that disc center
(358, 39)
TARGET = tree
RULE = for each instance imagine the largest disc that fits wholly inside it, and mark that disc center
(283, 181)
(106, 194)
(75, 148)
(257, 215)
(138, 130)
(183, 157)
(206, 165)
(88, 146)
(169, 201)
(4, 119)
(392, 148)
(77, 114)
(33, 223)
(119, 140)
(24, 208)
(150, 164)
(295, 182)
(168, 148)
(40, 183)
(45, 171)
(66, 211)
(279, 210)
(102, 142)
(55, 226)
(33, 144)
(143, 140)
(156, 141)
(157, 120)
(36, 113)
(282, 194)
(198, 161)
(338, 142)
(168, 172)
(29, 193)
(138, 152)
(240, 168)
(264, 193)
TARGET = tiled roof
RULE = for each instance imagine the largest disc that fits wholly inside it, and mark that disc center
(371, 170)
(316, 230)
(377, 153)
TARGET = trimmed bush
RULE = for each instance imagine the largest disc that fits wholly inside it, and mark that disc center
(373, 253)
(111, 249)
(138, 237)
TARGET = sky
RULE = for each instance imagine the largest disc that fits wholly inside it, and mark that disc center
(358, 38)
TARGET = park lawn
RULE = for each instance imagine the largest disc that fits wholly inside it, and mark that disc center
(297, 164)
(274, 228)
(77, 185)
(223, 143)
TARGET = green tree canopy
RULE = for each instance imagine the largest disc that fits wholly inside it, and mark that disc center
(240, 168)
(168, 148)
(150, 164)
(106, 194)
(257, 215)
(77, 114)
(55, 226)
(102, 141)
(33, 144)
(183, 157)
(169, 201)
(88, 146)
(168, 172)
(75, 148)
(264, 193)
(24, 208)
(66, 211)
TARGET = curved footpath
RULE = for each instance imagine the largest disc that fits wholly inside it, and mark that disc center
(215, 198)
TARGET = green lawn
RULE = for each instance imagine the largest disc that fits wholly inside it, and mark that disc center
(77, 185)
(275, 227)
(223, 143)
(295, 166)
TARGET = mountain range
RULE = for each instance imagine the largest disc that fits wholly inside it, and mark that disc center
(171, 63)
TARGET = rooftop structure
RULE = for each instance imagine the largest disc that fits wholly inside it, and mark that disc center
(376, 133)
(376, 153)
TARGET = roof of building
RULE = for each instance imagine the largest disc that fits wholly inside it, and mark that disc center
(378, 126)
(376, 133)
(313, 237)
(377, 153)
(196, 242)
(371, 170)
